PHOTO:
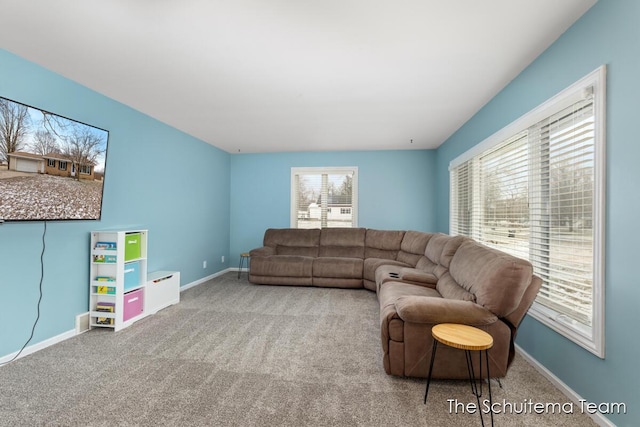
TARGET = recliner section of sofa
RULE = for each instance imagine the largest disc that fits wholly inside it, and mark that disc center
(340, 258)
(286, 257)
(420, 279)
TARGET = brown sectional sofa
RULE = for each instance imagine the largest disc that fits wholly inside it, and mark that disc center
(421, 279)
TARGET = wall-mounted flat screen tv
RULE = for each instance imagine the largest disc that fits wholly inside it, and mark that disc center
(51, 167)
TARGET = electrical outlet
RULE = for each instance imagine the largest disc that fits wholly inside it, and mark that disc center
(222, 259)
(204, 264)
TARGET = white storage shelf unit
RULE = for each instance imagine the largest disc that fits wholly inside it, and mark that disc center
(118, 270)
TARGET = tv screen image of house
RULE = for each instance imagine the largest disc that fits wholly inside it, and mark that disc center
(51, 167)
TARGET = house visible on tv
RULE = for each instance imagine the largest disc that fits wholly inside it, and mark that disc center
(51, 164)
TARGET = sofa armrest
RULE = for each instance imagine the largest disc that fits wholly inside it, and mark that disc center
(417, 276)
(421, 309)
(263, 251)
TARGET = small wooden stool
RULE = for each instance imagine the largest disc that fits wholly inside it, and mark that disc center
(244, 256)
(466, 338)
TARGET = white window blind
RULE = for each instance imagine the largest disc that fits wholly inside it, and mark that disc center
(562, 207)
(538, 194)
(324, 197)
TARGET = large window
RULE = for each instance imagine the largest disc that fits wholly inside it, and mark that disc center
(324, 197)
(536, 190)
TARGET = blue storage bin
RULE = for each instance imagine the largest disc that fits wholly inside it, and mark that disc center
(131, 275)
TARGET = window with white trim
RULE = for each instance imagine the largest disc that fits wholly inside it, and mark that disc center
(535, 189)
(324, 197)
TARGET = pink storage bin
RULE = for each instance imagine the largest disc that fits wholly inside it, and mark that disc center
(133, 304)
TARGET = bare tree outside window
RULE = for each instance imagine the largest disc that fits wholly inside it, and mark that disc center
(14, 127)
(44, 142)
(82, 147)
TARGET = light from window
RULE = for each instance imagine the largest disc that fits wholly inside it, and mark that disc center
(536, 190)
(324, 197)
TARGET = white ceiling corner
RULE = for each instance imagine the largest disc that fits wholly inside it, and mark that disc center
(253, 76)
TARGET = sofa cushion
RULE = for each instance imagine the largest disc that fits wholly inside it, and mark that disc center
(440, 249)
(426, 265)
(382, 243)
(413, 246)
(498, 280)
(262, 251)
(292, 241)
(282, 265)
(448, 288)
(311, 251)
(350, 268)
(342, 242)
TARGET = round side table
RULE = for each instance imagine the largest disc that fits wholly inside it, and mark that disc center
(467, 338)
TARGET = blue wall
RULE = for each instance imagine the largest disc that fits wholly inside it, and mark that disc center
(396, 191)
(201, 203)
(156, 178)
(609, 34)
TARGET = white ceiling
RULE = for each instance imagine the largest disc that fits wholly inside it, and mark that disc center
(293, 75)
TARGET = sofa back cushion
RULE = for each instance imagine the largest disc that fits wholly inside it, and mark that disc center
(440, 250)
(449, 289)
(293, 241)
(342, 242)
(383, 244)
(413, 246)
(426, 265)
(497, 279)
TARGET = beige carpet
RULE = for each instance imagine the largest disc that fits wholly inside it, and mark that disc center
(236, 354)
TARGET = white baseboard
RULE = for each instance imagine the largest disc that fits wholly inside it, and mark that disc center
(39, 346)
(599, 418)
(205, 279)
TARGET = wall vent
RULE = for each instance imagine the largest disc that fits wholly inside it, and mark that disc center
(82, 323)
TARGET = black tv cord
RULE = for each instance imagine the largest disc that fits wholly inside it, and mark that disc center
(33, 328)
